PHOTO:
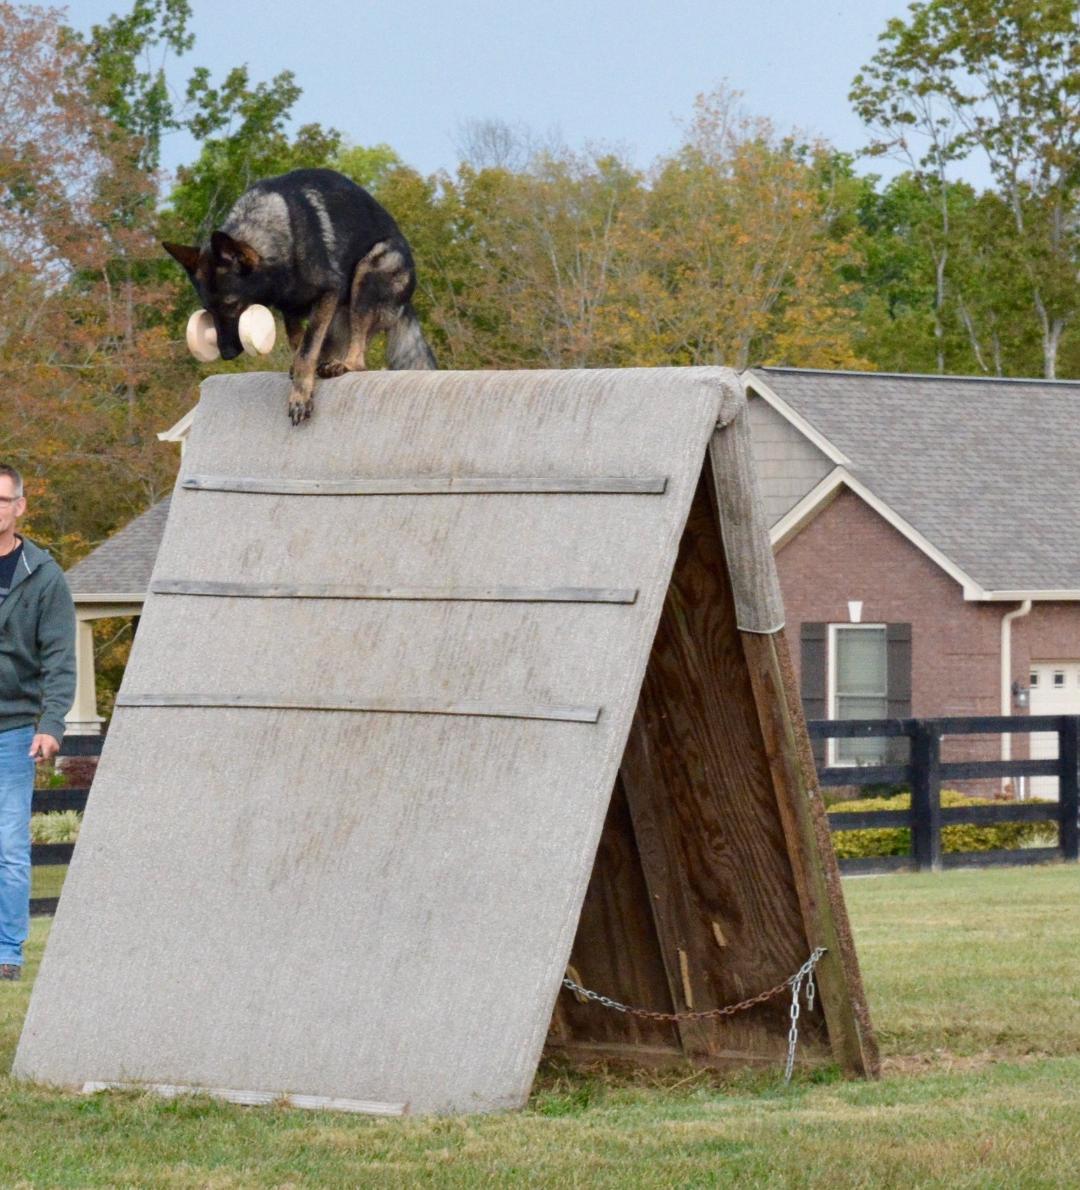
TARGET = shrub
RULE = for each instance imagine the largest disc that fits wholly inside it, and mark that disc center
(78, 771)
(61, 826)
(864, 844)
(48, 776)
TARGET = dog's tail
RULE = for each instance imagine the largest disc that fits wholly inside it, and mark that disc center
(406, 346)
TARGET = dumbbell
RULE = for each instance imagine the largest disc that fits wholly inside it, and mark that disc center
(257, 333)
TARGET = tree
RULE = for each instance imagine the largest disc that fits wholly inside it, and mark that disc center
(747, 249)
(74, 347)
(548, 245)
(368, 166)
(244, 138)
(730, 252)
(515, 269)
(134, 95)
(1001, 77)
(908, 323)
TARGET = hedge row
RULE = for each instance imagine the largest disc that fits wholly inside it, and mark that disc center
(865, 844)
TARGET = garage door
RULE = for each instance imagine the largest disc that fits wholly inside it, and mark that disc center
(1055, 690)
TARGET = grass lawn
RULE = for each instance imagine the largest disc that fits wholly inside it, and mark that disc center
(974, 984)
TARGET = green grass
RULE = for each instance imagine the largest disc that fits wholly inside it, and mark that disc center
(974, 983)
(47, 880)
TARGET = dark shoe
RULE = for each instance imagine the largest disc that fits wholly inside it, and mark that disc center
(10, 971)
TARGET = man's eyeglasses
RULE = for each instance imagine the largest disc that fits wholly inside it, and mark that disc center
(4, 500)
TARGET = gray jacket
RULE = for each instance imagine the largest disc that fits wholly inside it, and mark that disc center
(37, 645)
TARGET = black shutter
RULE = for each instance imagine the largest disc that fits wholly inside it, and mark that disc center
(898, 685)
(813, 679)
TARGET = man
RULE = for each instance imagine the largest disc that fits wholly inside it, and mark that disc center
(37, 686)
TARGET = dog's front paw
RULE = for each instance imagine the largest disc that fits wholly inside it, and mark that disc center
(330, 368)
(300, 407)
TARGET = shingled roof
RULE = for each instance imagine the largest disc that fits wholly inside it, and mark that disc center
(123, 563)
(987, 470)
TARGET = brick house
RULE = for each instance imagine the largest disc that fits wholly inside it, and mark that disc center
(926, 536)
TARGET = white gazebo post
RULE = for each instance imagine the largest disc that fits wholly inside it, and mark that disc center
(129, 553)
(83, 718)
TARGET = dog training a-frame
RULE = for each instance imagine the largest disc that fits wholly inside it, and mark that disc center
(389, 672)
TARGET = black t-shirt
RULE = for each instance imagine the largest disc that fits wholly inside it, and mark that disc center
(7, 569)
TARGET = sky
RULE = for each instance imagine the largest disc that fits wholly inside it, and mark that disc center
(615, 73)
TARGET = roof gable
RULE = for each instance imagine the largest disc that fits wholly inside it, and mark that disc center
(985, 471)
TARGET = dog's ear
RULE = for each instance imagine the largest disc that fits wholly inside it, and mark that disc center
(234, 254)
(188, 257)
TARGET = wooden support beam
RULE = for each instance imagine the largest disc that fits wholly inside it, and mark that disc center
(810, 852)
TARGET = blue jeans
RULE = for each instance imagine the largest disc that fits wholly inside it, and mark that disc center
(16, 794)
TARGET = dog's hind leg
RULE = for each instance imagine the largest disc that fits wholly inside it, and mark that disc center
(352, 328)
(336, 344)
(306, 358)
(379, 281)
(363, 302)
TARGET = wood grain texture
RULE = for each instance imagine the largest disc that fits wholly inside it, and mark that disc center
(616, 952)
(780, 733)
(705, 819)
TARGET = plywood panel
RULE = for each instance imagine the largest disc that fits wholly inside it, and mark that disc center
(369, 906)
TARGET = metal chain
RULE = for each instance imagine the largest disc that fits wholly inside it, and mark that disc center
(805, 974)
(806, 971)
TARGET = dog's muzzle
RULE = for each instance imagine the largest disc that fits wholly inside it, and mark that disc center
(256, 328)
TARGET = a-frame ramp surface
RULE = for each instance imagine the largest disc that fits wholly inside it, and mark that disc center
(355, 781)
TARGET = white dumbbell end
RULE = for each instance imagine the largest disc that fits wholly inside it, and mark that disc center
(202, 337)
(257, 332)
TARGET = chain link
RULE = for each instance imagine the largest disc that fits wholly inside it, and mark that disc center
(805, 974)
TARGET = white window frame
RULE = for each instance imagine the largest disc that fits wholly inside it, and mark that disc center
(832, 759)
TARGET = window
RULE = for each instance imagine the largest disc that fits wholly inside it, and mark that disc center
(1033, 679)
(858, 681)
(1059, 679)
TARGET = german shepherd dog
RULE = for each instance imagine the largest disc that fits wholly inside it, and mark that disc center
(320, 249)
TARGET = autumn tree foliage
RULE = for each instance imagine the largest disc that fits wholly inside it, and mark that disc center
(728, 251)
(90, 352)
(78, 359)
(744, 229)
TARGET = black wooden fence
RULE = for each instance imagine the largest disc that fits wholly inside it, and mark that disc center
(924, 772)
(48, 800)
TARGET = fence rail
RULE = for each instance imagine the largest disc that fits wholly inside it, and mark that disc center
(47, 801)
(925, 772)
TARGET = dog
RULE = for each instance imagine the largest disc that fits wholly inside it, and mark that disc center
(319, 248)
